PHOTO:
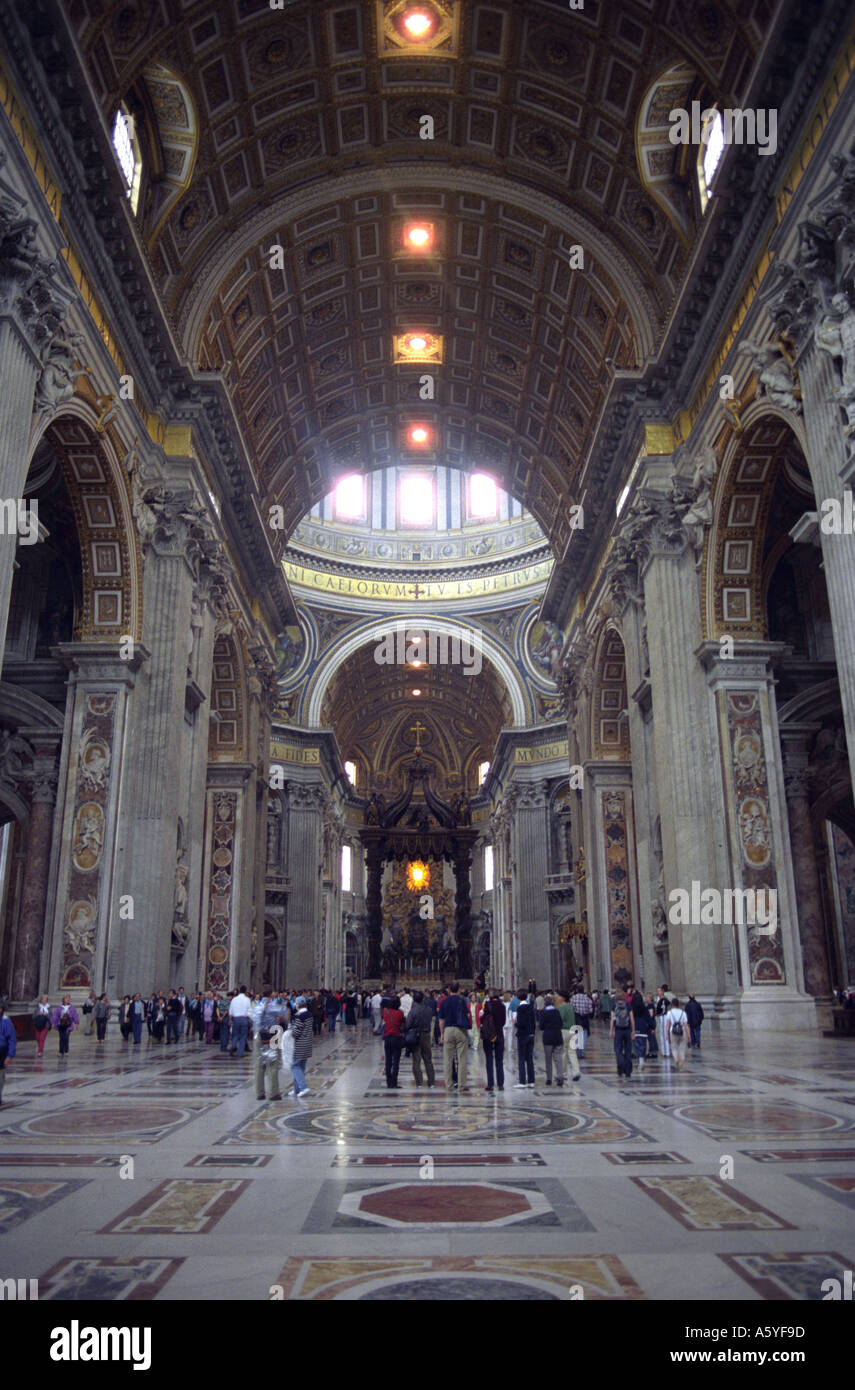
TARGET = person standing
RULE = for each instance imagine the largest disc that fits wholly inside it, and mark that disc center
(454, 1027)
(137, 1014)
(301, 1027)
(89, 1013)
(376, 1007)
(620, 1032)
(638, 1009)
(64, 1019)
(239, 1016)
(223, 1002)
(525, 1024)
(102, 1014)
(695, 1015)
(652, 1044)
(182, 1015)
(41, 1023)
(332, 1008)
(8, 1045)
(569, 1033)
(393, 1041)
(661, 1026)
(420, 1021)
(209, 1015)
(582, 1008)
(553, 1041)
(677, 1027)
(493, 1017)
(606, 1007)
(173, 1017)
(406, 1001)
(351, 1006)
(125, 1018)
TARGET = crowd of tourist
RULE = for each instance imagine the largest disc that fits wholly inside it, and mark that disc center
(475, 1030)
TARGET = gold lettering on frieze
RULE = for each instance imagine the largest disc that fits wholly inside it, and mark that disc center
(542, 753)
(425, 590)
(293, 753)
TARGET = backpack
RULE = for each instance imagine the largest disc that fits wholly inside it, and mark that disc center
(621, 1013)
(489, 1031)
(676, 1030)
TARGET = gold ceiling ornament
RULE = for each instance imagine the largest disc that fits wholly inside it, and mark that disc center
(418, 26)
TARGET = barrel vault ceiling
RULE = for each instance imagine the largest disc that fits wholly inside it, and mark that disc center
(302, 128)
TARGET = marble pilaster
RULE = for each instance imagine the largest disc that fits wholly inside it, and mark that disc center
(34, 887)
(758, 831)
(532, 952)
(796, 743)
(688, 795)
(89, 936)
(305, 901)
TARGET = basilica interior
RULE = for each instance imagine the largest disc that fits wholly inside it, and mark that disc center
(427, 554)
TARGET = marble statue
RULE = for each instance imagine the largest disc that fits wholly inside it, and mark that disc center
(700, 514)
(835, 334)
(775, 374)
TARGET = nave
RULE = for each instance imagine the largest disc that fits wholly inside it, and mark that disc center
(611, 1187)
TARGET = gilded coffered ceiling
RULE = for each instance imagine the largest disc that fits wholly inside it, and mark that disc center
(373, 711)
(311, 124)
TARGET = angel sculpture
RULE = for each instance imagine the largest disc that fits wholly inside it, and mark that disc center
(775, 374)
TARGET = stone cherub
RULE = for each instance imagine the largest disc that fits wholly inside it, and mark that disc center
(700, 513)
(775, 374)
(835, 334)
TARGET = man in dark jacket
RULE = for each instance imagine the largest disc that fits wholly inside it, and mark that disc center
(420, 1020)
(695, 1015)
(494, 1047)
(332, 1008)
(525, 1024)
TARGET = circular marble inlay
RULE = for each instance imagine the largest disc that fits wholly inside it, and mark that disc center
(450, 1290)
(111, 1120)
(749, 1117)
(432, 1124)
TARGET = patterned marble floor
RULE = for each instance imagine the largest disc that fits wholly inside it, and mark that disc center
(128, 1176)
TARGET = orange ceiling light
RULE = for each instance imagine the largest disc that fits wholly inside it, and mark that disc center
(419, 436)
(419, 236)
(418, 23)
(417, 345)
(415, 692)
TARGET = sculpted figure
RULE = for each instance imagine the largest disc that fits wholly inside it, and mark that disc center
(774, 374)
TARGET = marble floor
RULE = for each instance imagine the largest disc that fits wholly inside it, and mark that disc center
(154, 1173)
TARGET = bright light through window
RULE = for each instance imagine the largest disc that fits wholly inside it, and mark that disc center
(350, 498)
(417, 500)
(488, 868)
(123, 144)
(483, 769)
(346, 868)
(712, 152)
(483, 495)
(350, 773)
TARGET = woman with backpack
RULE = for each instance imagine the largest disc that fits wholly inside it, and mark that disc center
(65, 1019)
(620, 1032)
(41, 1023)
(677, 1028)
